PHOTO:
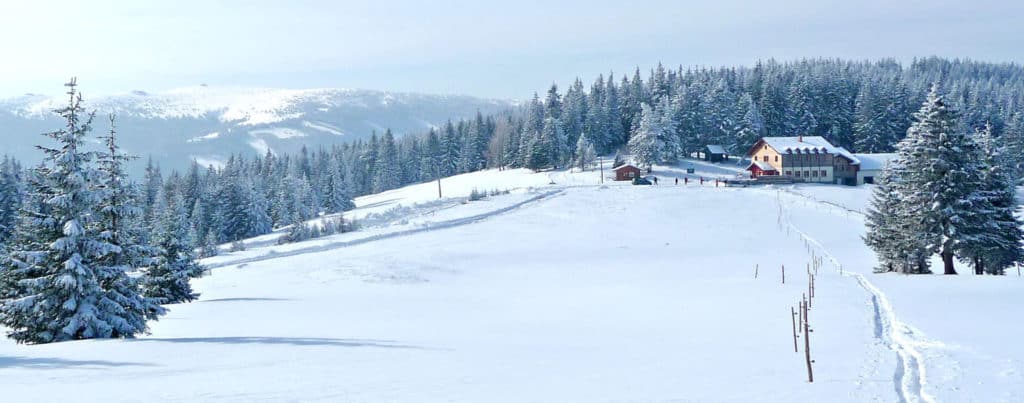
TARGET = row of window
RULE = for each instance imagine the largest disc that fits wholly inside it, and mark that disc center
(809, 174)
(796, 160)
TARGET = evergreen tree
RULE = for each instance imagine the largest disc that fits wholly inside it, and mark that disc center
(118, 223)
(153, 181)
(585, 153)
(167, 280)
(386, 172)
(751, 125)
(644, 144)
(11, 195)
(942, 179)
(54, 285)
(997, 244)
(889, 221)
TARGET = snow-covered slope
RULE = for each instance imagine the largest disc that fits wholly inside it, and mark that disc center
(180, 124)
(562, 290)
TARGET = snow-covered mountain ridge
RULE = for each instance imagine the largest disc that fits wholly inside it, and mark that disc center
(208, 123)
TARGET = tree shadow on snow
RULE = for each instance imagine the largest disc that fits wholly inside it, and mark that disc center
(60, 363)
(243, 299)
(291, 341)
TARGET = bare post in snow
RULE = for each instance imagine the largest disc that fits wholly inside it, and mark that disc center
(792, 316)
(807, 347)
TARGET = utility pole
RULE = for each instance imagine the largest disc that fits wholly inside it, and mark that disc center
(600, 164)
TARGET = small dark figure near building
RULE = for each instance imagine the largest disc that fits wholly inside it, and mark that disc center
(677, 181)
(655, 180)
(686, 181)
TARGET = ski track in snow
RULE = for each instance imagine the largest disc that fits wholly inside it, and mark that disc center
(429, 227)
(910, 377)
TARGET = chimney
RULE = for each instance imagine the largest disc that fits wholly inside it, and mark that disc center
(800, 138)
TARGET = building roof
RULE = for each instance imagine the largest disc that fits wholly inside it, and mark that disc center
(715, 149)
(848, 155)
(623, 166)
(874, 161)
(761, 165)
(801, 144)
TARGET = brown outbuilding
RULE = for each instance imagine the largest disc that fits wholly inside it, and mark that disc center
(626, 172)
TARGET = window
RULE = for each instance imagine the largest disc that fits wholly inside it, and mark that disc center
(824, 173)
(869, 179)
(766, 158)
(797, 174)
(807, 174)
(814, 174)
(632, 174)
(776, 158)
(789, 173)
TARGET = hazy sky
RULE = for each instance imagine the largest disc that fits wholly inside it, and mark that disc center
(505, 49)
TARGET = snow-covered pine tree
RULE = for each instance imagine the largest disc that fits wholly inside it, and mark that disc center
(996, 245)
(387, 170)
(888, 221)
(118, 221)
(644, 144)
(167, 279)
(1013, 144)
(298, 231)
(800, 119)
(942, 179)
(338, 197)
(585, 153)
(553, 142)
(11, 194)
(751, 124)
(668, 133)
(153, 181)
(57, 293)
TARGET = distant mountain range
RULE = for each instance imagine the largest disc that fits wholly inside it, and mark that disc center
(207, 124)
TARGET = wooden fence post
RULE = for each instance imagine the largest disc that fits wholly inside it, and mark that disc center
(783, 274)
(792, 315)
(755, 270)
(807, 347)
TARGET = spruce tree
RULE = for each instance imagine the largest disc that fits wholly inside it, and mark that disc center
(11, 195)
(54, 285)
(942, 179)
(995, 245)
(386, 170)
(167, 279)
(585, 153)
(118, 223)
(644, 143)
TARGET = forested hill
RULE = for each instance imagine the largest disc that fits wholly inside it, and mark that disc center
(863, 106)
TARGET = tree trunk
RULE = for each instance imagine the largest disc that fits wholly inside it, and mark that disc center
(947, 262)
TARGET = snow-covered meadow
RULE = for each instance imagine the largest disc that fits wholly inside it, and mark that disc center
(562, 290)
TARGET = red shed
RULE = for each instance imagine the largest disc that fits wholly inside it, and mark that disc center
(626, 172)
(758, 168)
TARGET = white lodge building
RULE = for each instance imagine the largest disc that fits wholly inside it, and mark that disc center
(813, 159)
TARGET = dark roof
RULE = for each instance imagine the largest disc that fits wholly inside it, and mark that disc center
(625, 166)
(715, 149)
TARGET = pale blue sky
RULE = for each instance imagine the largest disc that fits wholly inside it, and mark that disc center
(505, 49)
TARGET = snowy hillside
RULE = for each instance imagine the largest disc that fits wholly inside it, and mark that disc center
(561, 290)
(208, 123)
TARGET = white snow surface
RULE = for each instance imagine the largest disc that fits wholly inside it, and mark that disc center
(562, 290)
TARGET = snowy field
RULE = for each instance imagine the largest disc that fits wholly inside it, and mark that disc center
(562, 290)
